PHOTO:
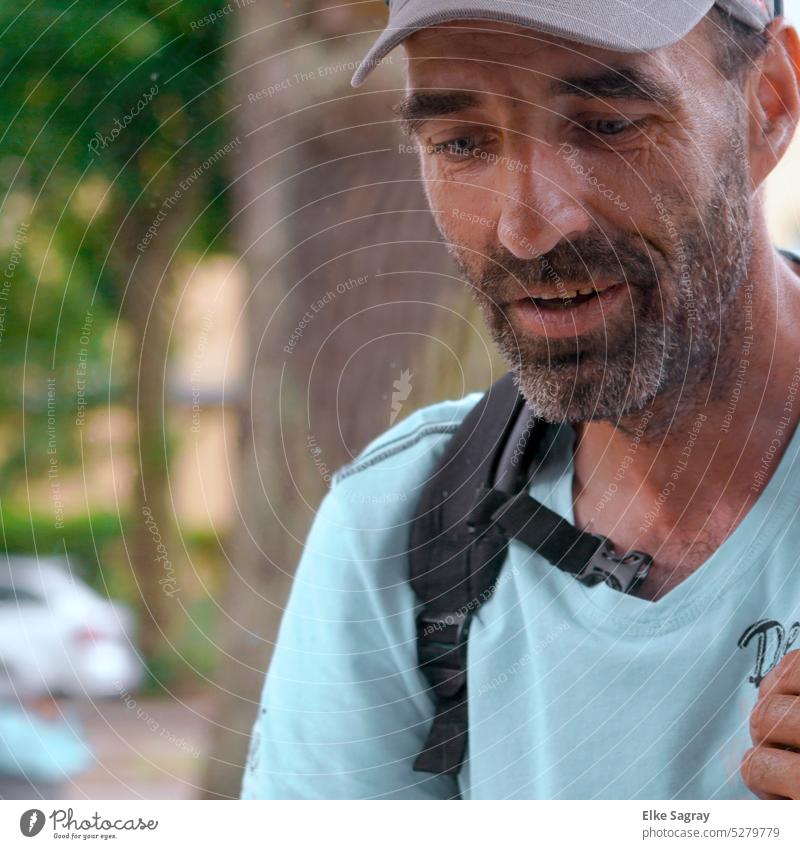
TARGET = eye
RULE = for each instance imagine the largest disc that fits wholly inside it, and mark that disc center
(609, 126)
(459, 148)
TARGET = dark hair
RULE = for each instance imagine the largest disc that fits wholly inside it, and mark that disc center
(737, 45)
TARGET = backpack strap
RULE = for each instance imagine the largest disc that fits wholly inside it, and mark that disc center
(476, 501)
(455, 558)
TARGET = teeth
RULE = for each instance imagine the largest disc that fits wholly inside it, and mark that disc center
(564, 294)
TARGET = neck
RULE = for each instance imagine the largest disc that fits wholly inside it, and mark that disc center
(691, 463)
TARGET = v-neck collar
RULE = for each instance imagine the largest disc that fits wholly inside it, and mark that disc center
(736, 562)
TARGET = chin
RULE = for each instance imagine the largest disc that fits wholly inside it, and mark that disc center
(590, 392)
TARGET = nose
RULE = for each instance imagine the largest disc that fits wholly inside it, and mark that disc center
(541, 201)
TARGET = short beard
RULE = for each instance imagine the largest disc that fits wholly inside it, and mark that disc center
(666, 339)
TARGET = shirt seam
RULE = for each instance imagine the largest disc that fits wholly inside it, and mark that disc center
(384, 453)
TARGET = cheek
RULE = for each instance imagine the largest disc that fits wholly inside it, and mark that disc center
(669, 180)
(463, 213)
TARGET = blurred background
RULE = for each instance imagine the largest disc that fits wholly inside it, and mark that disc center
(220, 281)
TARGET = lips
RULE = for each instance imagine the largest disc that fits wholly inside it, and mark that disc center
(563, 301)
(568, 312)
(567, 293)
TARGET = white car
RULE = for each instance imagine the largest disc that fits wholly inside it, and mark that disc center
(58, 636)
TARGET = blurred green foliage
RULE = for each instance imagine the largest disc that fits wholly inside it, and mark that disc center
(108, 106)
(87, 540)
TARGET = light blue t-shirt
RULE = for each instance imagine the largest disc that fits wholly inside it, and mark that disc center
(575, 692)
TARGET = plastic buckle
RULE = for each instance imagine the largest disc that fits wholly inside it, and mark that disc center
(442, 642)
(622, 572)
(448, 628)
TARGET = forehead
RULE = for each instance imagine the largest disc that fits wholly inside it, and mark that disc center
(513, 57)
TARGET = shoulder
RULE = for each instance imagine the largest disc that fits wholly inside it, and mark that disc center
(422, 434)
(385, 480)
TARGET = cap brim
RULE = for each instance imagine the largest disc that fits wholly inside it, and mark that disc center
(613, 24)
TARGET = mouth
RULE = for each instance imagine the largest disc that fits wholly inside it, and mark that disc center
(565, 296)
(566, 311)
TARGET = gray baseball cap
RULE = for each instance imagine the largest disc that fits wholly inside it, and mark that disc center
(631, 26)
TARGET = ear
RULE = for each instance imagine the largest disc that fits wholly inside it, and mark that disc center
(774, 100)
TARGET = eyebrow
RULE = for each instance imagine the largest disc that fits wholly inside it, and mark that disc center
(613, 84)
(419, 106)
(618, 84)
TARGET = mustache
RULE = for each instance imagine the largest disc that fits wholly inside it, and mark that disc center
(577, 262)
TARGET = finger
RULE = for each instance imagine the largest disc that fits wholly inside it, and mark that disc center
(784, 678)
(775, 721)
(773, 772)
(767, 796)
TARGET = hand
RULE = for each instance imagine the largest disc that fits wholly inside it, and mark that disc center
(771, 769)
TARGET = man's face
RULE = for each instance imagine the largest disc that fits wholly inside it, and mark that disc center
(597, 202)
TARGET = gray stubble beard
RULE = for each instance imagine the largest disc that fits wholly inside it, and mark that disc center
(676, 341)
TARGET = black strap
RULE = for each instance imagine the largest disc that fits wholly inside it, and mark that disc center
(589, 557)
(439, 533)
(475, 502)
(455, 558)
(546, 532)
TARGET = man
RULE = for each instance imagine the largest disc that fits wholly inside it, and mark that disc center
(597, 171)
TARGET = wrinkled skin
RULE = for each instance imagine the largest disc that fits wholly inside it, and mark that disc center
(593, 190)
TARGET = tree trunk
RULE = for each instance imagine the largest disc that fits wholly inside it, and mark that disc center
(259, 552)
(332, 225)
(150, 536)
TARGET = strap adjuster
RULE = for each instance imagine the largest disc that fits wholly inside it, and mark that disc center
(442, 649)
(622, 572)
